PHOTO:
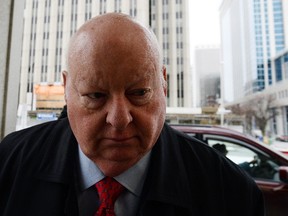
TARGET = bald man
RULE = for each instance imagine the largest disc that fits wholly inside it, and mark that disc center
(115, 90)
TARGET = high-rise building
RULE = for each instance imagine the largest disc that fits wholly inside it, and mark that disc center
(48, 26)
(253, 31)
(254, 40)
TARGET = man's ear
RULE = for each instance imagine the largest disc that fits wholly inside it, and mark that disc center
(64, 75)
(164, 74)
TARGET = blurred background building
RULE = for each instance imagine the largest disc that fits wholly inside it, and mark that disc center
(48, 26)
(254, 54)
(207, 66)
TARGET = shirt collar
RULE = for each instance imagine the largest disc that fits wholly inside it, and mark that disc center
(132, 179)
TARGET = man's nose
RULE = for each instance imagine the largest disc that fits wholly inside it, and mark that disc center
(119, 113)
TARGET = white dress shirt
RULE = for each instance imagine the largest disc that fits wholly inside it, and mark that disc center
(132, 179)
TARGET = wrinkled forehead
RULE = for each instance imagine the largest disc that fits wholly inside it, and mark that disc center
(116, 79)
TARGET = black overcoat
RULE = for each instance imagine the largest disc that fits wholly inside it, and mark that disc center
(185, 177)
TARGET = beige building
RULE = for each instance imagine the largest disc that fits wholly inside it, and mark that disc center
(48, 26)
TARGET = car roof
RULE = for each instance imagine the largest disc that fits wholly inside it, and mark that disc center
(208, 129)
(218, 130)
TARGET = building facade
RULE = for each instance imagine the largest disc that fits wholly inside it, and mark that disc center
(207, 65)
(254, 37)
(48, 26)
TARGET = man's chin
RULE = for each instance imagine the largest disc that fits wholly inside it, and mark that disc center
(114, 165)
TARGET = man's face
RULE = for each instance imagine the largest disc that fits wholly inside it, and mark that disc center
(116, 103)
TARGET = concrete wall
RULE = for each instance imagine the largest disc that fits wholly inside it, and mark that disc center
(11, 19)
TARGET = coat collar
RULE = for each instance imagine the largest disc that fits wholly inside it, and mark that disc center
(167, 181)
(58, 157)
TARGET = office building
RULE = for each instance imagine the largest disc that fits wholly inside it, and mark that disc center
(48, 25)
(254, 40)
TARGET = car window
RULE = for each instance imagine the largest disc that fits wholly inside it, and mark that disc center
(256, 163)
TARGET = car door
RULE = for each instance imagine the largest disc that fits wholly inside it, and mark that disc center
(261, 166)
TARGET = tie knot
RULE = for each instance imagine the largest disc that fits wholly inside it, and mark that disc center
(109, 190)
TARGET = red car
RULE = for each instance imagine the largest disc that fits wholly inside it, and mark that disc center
(281, 144)
(267, 166)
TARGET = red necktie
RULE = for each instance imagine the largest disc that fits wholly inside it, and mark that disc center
(108, 190)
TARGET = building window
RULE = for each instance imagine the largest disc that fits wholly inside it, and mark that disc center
(165, 2)
(278, 69)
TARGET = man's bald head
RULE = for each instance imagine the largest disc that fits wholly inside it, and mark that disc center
(109, 31)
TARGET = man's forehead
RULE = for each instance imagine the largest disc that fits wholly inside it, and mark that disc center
(99, 76)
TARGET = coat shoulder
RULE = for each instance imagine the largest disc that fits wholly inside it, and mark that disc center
(34, 144)
(36, 134)
(210, 177)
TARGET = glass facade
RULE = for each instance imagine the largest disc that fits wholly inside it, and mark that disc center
(278, 25)
(281, 67)
(259, 83)
(263, 39)
(278, 69)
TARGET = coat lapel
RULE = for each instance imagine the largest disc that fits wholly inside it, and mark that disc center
(171, 192)
(61, 168)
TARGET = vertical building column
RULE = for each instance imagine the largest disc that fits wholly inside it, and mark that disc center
(280, 120)
(110, 6)
(25, 63)
(10, 55)
(95, 7)
(66, 32)
(143, 12)
(81, 13)
(125, 7)
(39, 42)
(173, 57)
(52, 42)
(187, 76)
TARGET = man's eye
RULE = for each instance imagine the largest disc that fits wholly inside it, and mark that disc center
(140, 96)
(140, 92)
(96, 95)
